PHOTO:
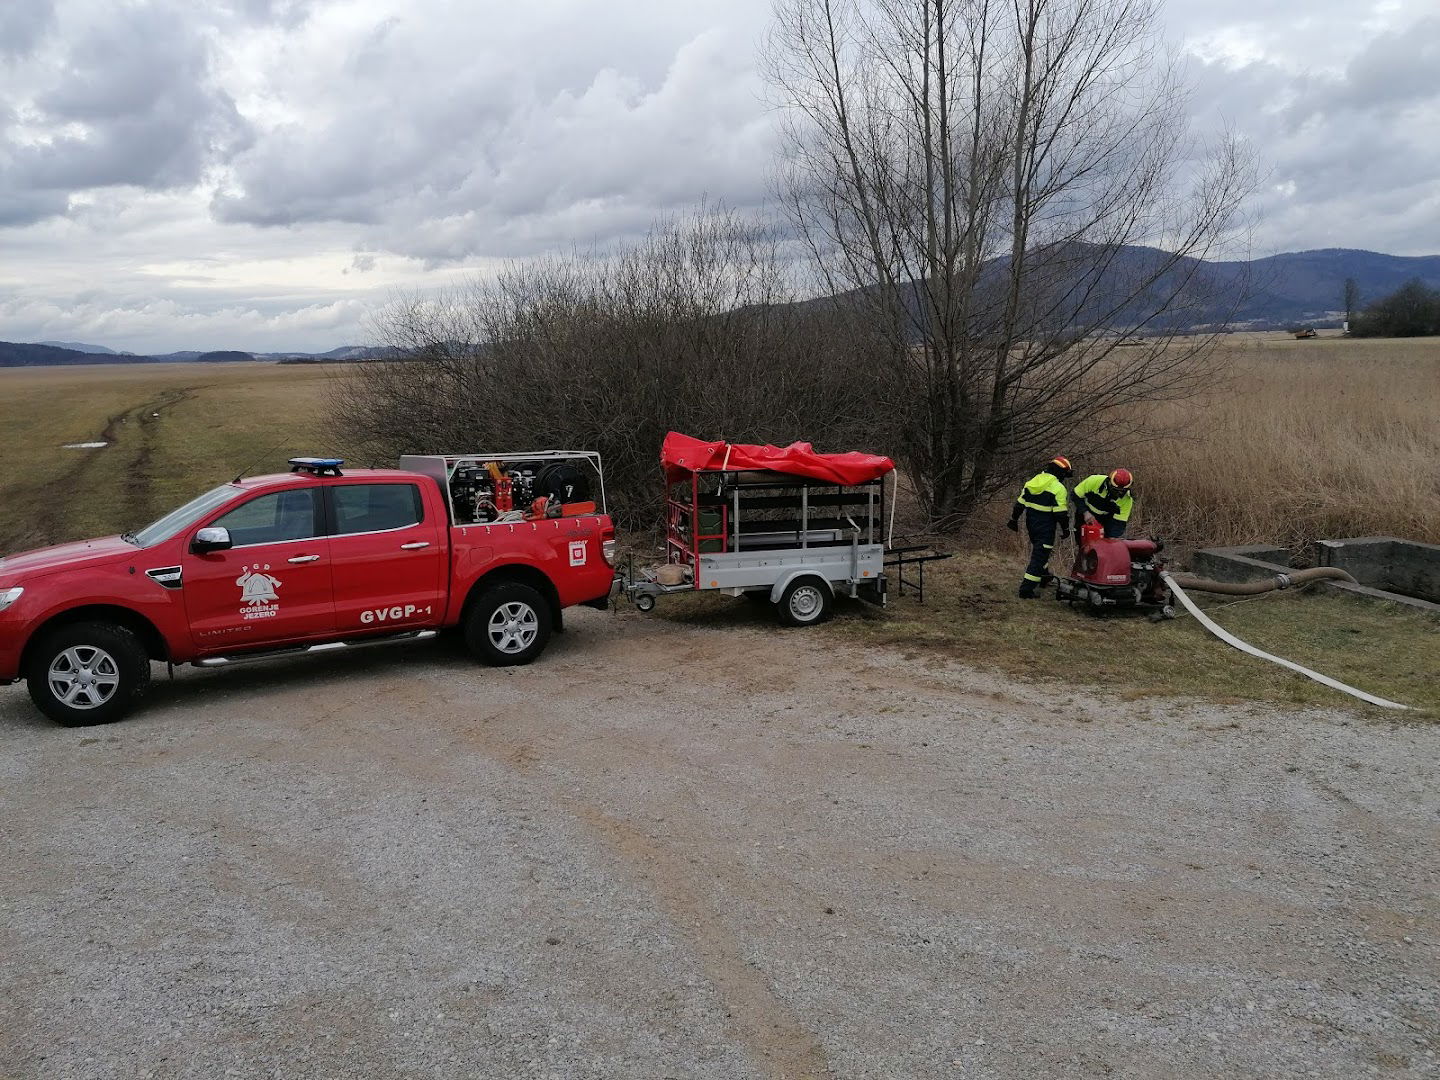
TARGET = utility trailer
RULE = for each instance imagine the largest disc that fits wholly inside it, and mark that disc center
(782, 525)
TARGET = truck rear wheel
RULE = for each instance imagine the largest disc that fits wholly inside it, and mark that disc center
(87, 673)
(805, 602)
(508, 624)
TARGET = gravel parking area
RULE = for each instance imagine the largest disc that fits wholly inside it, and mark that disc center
(672, 851)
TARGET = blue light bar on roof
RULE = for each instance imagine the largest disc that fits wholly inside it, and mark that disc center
(317, 466)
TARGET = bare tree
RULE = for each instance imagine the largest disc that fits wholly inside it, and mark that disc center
(1005, 192)
(693, 329)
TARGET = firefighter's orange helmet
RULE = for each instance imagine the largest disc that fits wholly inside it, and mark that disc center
(1121, 478)
(1064, 465)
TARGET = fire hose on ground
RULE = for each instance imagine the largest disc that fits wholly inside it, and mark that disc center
(1180, 582)
(1255, 588)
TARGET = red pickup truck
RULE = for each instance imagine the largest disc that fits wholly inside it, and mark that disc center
(497, 545)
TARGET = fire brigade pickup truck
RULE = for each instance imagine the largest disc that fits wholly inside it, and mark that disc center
(495, 545)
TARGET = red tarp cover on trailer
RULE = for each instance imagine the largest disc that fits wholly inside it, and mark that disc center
(681, 455)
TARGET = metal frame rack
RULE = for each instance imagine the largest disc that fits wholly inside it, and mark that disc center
(898, 558)
(737, 514)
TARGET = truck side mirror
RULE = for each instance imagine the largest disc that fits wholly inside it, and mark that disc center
(211, 539)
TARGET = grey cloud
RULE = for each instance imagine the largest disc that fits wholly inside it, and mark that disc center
(128, 100)
(1352, 160)
(168, 147)
(453, 146)
(24, 207)
(23, 23)
(123, 67)
(288, 13)
(1394, 69)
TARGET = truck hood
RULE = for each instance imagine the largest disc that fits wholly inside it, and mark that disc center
(64, 557)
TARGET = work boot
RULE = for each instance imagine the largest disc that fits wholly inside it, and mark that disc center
(1027, 591)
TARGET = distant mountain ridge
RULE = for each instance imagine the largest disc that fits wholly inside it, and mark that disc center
(1281, 290)
(46, 354)
(80, 346)
(1270, 293)
(1302, 286)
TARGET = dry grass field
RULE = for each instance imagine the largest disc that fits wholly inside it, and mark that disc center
(174, 430)
(1301, 440)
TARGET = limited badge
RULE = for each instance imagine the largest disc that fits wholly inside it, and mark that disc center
(577, 552)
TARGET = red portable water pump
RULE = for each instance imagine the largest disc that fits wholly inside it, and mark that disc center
(1111, 573)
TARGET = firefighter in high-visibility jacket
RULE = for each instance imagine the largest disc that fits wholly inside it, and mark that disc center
(1044, 503)
(1108, 499)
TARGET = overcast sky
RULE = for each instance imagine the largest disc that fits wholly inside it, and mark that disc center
(258, 174)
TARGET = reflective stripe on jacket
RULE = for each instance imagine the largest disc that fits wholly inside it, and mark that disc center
(1097, 496)
(1044, 492)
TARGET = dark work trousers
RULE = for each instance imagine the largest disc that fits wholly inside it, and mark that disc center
(1041, 527)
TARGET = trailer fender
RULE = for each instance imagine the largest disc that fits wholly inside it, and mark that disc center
(778, 589)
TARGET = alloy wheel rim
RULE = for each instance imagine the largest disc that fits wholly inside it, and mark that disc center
(514, 627)
(84, 677)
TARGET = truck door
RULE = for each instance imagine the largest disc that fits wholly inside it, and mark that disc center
(272, 585)
(389, 557)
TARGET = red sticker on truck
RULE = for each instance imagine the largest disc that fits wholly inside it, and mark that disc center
(577, 552)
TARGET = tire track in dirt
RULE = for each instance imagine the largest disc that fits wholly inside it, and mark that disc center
(48, 525)
(138, 481)
(779, 1043)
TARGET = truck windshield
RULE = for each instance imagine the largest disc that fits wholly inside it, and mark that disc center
(179, 519)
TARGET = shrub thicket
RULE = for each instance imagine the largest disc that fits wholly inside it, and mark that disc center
(1413, 310)
(693, 330)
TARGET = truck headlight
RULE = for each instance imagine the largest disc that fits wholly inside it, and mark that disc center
(9, 596)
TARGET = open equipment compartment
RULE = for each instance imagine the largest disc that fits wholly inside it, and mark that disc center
(484, 489)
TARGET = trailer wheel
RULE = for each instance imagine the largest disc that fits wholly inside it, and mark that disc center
(805, 602)
(644, 602)
(508, 624)
(87, 673)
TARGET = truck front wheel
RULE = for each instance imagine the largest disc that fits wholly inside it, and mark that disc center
(87, 673)
(508, 624)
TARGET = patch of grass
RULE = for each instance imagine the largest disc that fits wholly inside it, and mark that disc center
(971, 614)
(212, 422)
(1385, 649)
